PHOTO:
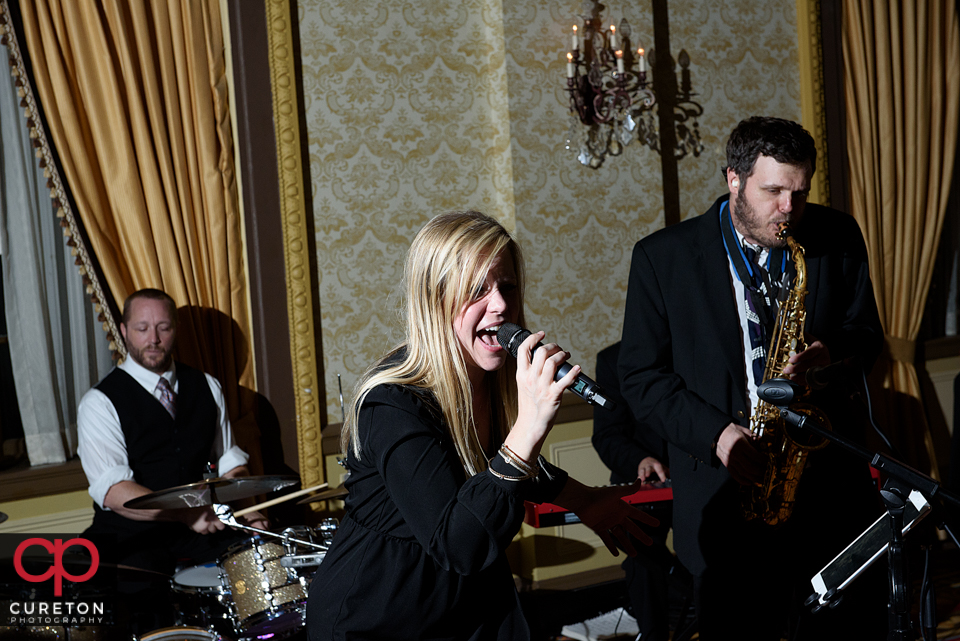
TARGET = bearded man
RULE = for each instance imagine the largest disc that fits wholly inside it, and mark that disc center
(149, 425)
(701, 302)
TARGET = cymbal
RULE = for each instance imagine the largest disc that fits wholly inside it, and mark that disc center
(202, 492)
(335, 493)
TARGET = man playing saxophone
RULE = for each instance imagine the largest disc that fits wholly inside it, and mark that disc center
(698, 332)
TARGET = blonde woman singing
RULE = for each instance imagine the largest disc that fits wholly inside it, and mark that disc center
(443, 445)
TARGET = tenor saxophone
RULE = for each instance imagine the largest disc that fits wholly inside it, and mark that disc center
(786, 448)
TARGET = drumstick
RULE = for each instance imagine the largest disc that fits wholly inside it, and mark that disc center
(285, 497)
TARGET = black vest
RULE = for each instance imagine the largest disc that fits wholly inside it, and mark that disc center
(162, 452)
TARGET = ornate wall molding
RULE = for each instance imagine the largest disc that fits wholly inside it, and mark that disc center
(812, 98)
(293, 215)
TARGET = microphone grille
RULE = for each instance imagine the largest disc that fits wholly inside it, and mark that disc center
(510, 335)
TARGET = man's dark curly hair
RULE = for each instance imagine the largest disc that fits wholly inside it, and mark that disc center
(783, 140)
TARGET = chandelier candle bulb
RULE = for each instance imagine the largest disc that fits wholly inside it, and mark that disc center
(613, 37)
(571, 68)
(643, 61)
(574, 39)
(619, 61)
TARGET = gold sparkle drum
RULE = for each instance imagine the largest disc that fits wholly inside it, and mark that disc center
(180, 634)
(267, 597)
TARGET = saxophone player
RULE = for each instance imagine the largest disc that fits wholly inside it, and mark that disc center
(701, 301)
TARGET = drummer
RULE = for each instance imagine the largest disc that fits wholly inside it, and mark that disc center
(149, 425)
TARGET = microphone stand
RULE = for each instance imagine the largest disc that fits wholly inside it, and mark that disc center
(901, 480)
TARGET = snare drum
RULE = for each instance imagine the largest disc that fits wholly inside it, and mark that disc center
(180, 634)
(267, 598)
(200, 598)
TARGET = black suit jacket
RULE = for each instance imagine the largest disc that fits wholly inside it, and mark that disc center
(682, 363)
(618, 439)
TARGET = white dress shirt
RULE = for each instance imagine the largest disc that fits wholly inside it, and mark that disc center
(102, 447)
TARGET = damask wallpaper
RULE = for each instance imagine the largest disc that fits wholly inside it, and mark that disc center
(416, 107)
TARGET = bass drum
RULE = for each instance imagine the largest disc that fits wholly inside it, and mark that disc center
(180, 634)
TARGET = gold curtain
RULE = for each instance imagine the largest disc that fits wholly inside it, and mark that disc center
(902, 84)
(135, 96)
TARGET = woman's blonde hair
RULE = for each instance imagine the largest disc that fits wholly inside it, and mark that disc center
(447, 264)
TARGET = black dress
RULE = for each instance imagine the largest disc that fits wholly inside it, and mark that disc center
(420, 553)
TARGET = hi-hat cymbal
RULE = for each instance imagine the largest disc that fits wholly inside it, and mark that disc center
(335, 493)
(218, 490)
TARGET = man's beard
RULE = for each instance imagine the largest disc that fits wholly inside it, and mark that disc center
(156, 363)
(750, 225)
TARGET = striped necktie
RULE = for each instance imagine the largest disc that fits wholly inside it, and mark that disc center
(756, 306)
(167, 396)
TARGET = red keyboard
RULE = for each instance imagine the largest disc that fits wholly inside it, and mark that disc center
(550, 515)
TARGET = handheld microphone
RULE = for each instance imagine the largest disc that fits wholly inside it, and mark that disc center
(511, 335)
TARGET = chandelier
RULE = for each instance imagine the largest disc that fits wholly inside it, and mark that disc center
(612, 102)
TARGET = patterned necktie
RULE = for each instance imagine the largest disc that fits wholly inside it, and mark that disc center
(167, 396)
(756, 306)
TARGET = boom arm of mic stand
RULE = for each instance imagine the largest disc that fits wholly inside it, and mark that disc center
(910, 477)
(225, 514)
(898, 610)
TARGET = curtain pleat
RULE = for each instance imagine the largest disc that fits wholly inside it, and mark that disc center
(135, 95)
(902, 84)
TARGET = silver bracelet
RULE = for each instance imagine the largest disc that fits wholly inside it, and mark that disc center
(525, 477)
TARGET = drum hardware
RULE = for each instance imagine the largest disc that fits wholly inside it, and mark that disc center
(302, 560)
(297, 559)
(328, 529)
(226, 516)
(291, 536)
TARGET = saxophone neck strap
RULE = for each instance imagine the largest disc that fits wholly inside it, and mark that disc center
(746, 273)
